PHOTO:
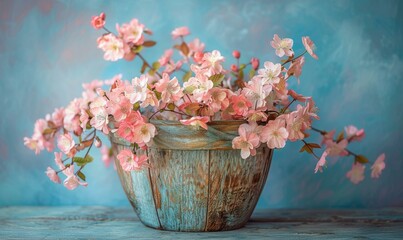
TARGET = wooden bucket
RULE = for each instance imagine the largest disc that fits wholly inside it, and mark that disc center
(196, 181)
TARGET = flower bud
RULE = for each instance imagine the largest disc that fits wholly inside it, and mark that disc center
(236, 54)
(198, 57)
(255, 63)
(98, 142)
(234, 68)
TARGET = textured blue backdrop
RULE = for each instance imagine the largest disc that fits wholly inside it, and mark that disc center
(47, 49)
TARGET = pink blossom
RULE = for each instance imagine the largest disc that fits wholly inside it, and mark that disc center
(121, 109)
(378, 166)
(151, 99)
(113, 47)
(255, 63)
(33, 144)
(199, 87)
(321, 162)
(296, 96)
(72, 182)
(100, 120)
(84, 118)
(353, 134)
(126, 127)
(218, 99)
(65, 143)
(296, 68)
(212, 61)
(196, 121)
(275, 134)
(58, 117)
(282, 46)
(257, 115)
(52, 175)
(144, 132)
(247, 141)
(294, 126)
(309, 46)
(93, 85)
(356, 174)
(256, 92)
(337, 149)
(138, 89)
(71, 119)
(98, 22)
(166, 58)
(270, 73)
(106, 155)
(132, 33)
(130, 161)
(180, 32)
(196, 46)
(198, 57)
(59, 160)
(170, 89)
(240, 105)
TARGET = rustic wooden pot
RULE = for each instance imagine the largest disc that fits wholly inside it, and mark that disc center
(196, 181)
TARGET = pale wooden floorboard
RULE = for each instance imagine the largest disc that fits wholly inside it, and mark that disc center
(121, 223)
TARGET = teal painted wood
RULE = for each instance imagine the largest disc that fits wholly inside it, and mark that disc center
(137, 187)
(202, 185)
(92, 222)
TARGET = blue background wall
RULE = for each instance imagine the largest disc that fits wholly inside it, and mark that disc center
(48, 48)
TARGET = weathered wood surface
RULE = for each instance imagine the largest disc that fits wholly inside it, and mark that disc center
(121, 223)
(206, 186)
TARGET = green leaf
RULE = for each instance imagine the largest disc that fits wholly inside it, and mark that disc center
(171, 106)
(184, 49)
(252, 73)
(157, 94)
(242, 66)
(136, 106)
(48, 131)
(81, 175)
(187, 76)
(156, 65)
(217, 79)
(137, 49)
(82, 161)
(143, 68)
(314, 145)
(361, 159)
(149, 43)
(151, 72)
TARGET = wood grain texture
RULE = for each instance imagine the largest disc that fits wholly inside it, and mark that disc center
(198, 188)
(92, 222)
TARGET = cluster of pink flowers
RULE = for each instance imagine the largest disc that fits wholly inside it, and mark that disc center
(206, 91)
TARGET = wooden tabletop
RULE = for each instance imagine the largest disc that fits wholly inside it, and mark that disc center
(122, 223)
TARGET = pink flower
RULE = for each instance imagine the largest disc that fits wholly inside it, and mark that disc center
(240, 105)
(107, 157)
(126, 127)
(132, 33)
(180, 32)
(296, 96)
(247, 141)
(58, 117)
(275, 134)
(337, 149)
(199, 87)
(309, 46)
(98, 22)
(84, 118)
(52, 175)
(166, 58)
(130, 161)
(113, 47)
(296, 68)
(144, 132)
(255, 63)
(65, 143)
(170, 89)
(378, 166)
(294, 126)
(72, 182)
(100, 120)
(212, 62)
(33, 144)
(270, 73)
(321, 163)
(196, 46)
(138, 89)
(196, 121)
(356, 174)
(282, 46)
(59, 160)
(256, 92)
(353, 134)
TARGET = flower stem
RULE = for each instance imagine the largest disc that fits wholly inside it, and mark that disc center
(147, 64)
(285, 109)
(290, 60)
(306, 144)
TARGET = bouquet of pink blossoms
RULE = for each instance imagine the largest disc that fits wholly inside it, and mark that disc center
(204, 92)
